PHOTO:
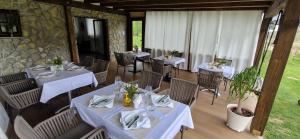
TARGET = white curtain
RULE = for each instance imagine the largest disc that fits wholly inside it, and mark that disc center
(239, 31)
(205, 29)
(167, 31)
(227, 34)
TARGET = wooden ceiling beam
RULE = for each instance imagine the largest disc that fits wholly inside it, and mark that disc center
(229, 4)
(82, 6)
(275, 8)
(168, 2)
(196, 9)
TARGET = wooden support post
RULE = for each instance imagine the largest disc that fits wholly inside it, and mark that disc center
(261, 40)
(276, 66)
(71, 35)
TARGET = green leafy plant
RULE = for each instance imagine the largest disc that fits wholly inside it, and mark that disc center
(242, 83)
(131, 89)
(57, 60)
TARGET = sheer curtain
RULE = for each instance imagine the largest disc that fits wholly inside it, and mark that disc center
(167, 31)
(239, 31)
(204, 37)
(203, 34)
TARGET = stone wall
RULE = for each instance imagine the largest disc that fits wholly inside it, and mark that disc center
(45, 35)
(116, 27)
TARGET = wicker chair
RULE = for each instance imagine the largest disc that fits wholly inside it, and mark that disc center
(65, 125)
(150, 78)
(228, 62)
(21, 94)
(182, 91)
(159, 66)
(209, 80)
(123, 59)
(88, 61)
(13, 77)
(100, 69)
(177, 66)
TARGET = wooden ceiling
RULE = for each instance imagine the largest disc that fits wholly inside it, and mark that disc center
(178, 5)
(125, 6)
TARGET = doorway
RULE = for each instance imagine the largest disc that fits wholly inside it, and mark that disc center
(137, 34)
(91, 35)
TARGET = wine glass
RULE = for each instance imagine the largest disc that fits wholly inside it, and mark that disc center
(148, 88)
(118, 83)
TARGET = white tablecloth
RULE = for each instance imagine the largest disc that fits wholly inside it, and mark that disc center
(227, 71)
(139, 54)
(62, 82)
(172, 61)
(165, 122)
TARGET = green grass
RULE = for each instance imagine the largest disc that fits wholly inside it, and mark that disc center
(137, 33)
(284, 121)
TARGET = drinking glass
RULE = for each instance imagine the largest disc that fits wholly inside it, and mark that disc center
(118, 83)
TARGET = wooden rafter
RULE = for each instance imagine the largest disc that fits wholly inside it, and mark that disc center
(82, 5)
(146, 5)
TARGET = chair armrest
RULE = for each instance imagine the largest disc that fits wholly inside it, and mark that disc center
(135, 82)
(156, 90)
(25, 99)
(98, 133)
(20, 86)
(164, 92)
(58, 124)
(101, 76)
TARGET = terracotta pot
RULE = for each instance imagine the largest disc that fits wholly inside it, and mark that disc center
(237, 122)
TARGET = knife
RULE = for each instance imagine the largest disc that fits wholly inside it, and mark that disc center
(162, 98)
(98, 102)
(135, 119)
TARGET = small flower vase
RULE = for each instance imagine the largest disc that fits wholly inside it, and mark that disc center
(126, 100)
(59, 67)
(53, 68)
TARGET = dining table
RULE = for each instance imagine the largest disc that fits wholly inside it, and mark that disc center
(137, 55)
(165, 122)
(62, 81)
(227, 71)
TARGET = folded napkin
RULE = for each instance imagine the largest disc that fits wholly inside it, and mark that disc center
(137, 100)
(102, 101)
(135, 119)
(162, 101)
(38, 67)
(75, 68)
(47, 74)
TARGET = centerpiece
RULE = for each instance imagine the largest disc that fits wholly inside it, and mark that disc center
(237, 117)
(130, 91)
(57, 64)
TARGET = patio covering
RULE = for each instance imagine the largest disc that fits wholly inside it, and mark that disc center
(203, 34)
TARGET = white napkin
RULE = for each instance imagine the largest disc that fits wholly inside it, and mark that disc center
(134, 120)
(47, 74)
(38, 67)
(162, 101)
(102, 101)
(75, 68)
(137, 100)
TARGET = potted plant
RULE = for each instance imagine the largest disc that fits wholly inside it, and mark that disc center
(136, 48)
(57, 64)
(237, 117)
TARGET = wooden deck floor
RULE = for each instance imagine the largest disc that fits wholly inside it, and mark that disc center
(209, 120)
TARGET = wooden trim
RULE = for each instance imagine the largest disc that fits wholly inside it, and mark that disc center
(261, 40)
(71, 35)
(276, 66)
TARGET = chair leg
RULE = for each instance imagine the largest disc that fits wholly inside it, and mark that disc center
(117, 69)
(181, 130)
(212, 103)
(124, 71)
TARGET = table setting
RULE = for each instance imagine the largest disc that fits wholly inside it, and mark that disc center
(60, 77)
(228, 71)
(128, 111)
